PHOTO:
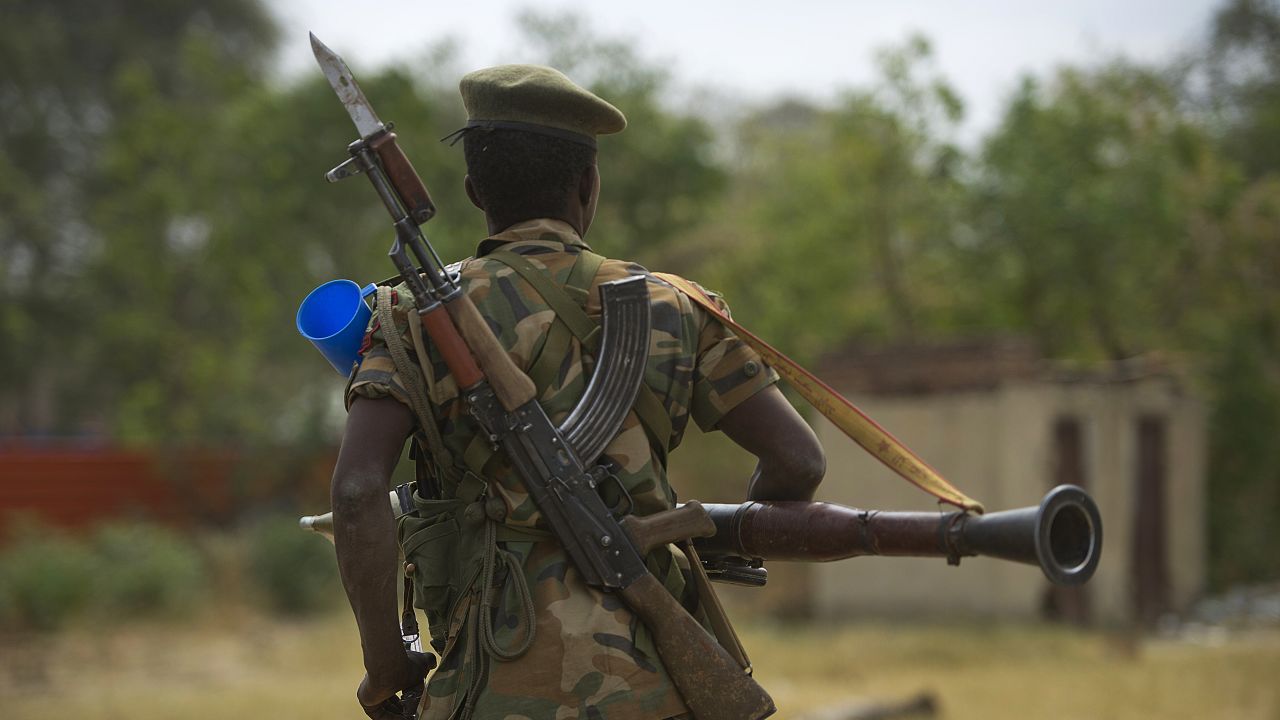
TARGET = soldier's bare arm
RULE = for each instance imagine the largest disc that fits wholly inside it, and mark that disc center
(364, 533)
(791, 460)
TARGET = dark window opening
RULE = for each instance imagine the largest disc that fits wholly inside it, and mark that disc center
(1150, 565)
(1067, 467)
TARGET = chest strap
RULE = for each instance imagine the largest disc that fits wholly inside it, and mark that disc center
(419, 396)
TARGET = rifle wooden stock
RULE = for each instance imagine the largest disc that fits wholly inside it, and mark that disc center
(1062, 535)
(713, 685)
(711, 682)
(512, 386)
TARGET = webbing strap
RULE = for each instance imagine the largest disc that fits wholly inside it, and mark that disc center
(513, 533)
(581, 277)
(441, 458)
(488, 601)
(648, 408)
(836, 408)
(568, 311)
(409, 378)
(716, 615)
(478, 453)
(546, 368)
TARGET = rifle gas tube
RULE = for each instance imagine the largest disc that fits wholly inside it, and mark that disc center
(608, 552)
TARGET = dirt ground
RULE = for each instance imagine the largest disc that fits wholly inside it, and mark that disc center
(244, 666)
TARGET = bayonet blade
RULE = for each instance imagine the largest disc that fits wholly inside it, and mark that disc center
(348, 91)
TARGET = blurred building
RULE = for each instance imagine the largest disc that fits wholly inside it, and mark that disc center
(79, 485)
(1004, 425)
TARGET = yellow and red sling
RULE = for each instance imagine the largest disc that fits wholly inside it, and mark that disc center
(839, 410)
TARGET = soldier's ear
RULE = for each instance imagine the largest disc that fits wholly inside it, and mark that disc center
(588, 195)
(472, 194)
(589, 186)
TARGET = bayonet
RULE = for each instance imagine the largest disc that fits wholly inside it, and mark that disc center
(342, 82)
(376, 137)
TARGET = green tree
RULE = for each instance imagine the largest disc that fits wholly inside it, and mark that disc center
(661, 173)
(68, 68)
(841, 220)
(234, 235)
(165, 214)
(1087, 195)
(1242, 65)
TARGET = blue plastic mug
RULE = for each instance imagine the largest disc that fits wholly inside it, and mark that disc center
(334, 317)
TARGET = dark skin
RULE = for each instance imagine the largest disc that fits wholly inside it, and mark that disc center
(790, 465)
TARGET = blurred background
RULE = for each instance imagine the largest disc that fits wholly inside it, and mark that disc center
(1039, 245)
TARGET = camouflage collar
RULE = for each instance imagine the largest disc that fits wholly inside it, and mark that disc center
(547, 232)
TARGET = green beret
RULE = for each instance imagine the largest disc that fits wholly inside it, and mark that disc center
(536, 99)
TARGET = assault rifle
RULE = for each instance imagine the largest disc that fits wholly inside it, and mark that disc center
(557, 464)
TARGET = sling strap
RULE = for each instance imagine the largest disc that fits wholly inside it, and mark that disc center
(711, 605)
(840, 411)
(567, 303)
(418, 395)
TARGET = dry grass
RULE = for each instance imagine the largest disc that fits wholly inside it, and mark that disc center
(242, 667)
(1021, 672)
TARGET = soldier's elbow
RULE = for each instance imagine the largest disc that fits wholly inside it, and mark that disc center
(350, 492)
(792, 471)
(809, 468)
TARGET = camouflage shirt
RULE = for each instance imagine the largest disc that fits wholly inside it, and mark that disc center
(589, 657)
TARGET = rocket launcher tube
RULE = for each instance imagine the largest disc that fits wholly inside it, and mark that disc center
(1062, 535)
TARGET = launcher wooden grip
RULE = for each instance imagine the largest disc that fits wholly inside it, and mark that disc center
(404, 178)
(512, 386)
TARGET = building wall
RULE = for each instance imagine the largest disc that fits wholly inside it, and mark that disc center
(1188, 516)
(996, 445)
(966, 437)
(1107, 422)
(76, 487)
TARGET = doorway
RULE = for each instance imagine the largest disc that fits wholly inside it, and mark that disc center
(1067, 466)
(1150, 562)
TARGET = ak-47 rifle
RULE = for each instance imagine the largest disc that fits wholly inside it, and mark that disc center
(558, 465)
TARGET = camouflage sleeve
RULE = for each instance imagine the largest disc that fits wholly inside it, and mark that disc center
(376, 376)
(727, 371)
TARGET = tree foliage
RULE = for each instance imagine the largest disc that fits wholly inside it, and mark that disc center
(1242, 64)
(841, 221)
(162, 213)
(1086, 200)
(1243, 69)
(76, 73)
(658, 175)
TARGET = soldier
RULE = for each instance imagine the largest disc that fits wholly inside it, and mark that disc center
(518, 633)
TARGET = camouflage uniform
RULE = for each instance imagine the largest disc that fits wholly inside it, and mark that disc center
(588, 656)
